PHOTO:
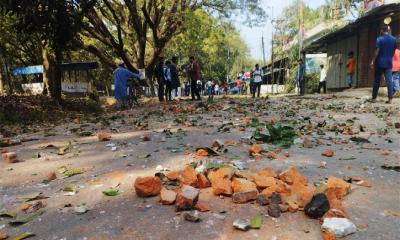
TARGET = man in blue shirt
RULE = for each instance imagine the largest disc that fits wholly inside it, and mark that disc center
(382, 62)
(300, 83)
(121, 76)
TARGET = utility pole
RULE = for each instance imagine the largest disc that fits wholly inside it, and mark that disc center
(301, 27)
(263, 48)
(272, 51)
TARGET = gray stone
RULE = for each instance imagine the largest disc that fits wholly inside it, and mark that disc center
(192, 216)
(341, 227)
(241, 224)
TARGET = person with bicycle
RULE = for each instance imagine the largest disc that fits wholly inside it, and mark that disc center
(121, 76)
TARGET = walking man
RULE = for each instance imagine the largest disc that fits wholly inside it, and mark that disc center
(168, 81)
(322, 79)
(195, 75)
(257, 76)
(300, 82)
(382, 62)
(396, 68)
(159, 73)
(350, 67)
(174, 75)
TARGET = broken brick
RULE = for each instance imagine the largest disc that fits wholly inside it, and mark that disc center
(243, 185)
(222, 186)
(201, 207)
(225, 172)
(339, 186)
(10, 157)
(328, 153)
(292, 176)
(103, 136)
(268, 172)
(264, 182)
(52, 176)
(172, 175)
(186, 198)
(167, 197)
(202, 153)
(254, 149)
(243, 197)
(328, 236)
(202, 181)
(147, 186)
(189, 176)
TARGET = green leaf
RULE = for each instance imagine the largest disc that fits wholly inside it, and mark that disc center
(214, 165)
(8, 215)
(31, 197)
(63, 150)
(359, 140)
(20, 221)
(256, 222)
(347, 158)
(23, 236)
(111, 192)
(146, 155)
(72, 172)
(69, 189)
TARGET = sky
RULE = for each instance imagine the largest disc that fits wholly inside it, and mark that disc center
(252, 36)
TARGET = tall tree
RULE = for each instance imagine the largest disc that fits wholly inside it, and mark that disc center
(57, 23)
(138, 31)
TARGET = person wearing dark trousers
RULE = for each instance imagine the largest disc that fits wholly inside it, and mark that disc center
(168, 81)
(300, 81)
(159, 73)
(382, 62)
(322, 79)
(174, 75)
(195, 75)
(257, 76)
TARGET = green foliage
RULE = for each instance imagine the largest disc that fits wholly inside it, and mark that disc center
(312, 82)
(278, 134)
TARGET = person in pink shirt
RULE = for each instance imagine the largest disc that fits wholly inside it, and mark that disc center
(396, 68)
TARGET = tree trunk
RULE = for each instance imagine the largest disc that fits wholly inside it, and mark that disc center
(7, 78)
(47, 71)
(56, 93)
(52, 74)
(2, 78)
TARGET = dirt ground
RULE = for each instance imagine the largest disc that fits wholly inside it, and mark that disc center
(374, 210)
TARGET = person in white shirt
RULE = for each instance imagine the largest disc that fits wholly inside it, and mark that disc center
(257, 76)
(322, 79)
(216, 89)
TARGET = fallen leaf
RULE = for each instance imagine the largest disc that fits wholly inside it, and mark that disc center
(63, 150)
(71, 172)
(20, 221)
(3, 235)
(146, 155)
(111, 192)
(388, 167)
(8, 215)
(390, 213)
(256, 221)
(328, 153)
(23, 236)
(32, 197)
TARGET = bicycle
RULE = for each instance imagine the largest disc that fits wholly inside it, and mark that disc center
(135, 92)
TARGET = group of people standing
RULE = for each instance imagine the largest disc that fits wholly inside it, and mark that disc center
(385, 61)
(167, 77)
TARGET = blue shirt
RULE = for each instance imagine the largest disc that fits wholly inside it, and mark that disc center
(121, 76)
(300, 72)
(386, 44)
